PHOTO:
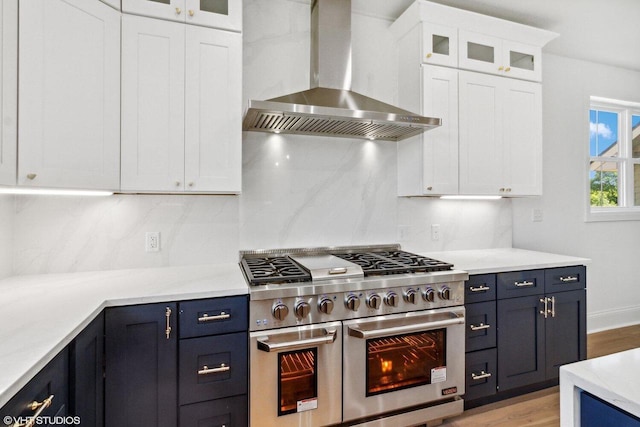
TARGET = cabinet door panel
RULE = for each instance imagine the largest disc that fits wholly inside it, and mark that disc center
(521, 342)
(439, 44)
(152, 105)
(230, 412)
(481, 326)
(481, 152)
(480, 287)
(522, 61)
(566, 330)
(565, 279)
(69, 87)
(523, 137)
(481, 372)
(8, 90)
(166, 9)
(440, 145)
(520, 283)
(141, 366)
(213, 140)
(480, 52)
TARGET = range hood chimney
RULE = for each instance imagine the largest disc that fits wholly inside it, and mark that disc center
(330, 108)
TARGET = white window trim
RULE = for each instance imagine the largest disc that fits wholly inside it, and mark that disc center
(623, 213)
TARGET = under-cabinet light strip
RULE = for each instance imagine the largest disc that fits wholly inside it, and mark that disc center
(471, 197)
(52, 192)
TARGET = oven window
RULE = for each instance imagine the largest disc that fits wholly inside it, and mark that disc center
(403, 361)
(297, 381)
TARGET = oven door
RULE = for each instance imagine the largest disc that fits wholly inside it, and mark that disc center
(397, 361)
(296, 377)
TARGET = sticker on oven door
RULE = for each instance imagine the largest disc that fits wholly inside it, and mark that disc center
(307, 404)
(439, 374)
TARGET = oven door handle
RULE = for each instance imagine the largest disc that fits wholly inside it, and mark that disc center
(408, 327)
(328, 336)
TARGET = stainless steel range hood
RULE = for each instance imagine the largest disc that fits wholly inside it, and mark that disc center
(330, 108)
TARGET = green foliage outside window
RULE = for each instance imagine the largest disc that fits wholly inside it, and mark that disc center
(604, 188)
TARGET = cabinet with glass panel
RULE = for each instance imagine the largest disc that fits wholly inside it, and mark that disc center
(223, 14)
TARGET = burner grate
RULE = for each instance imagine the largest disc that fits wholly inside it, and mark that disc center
(393, 262)
(280, 269)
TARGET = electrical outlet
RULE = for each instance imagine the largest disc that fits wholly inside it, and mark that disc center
(403, 232)
(537, 215)
(435, 232)
(152, 241)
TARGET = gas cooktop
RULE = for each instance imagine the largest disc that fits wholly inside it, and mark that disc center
(289, 265)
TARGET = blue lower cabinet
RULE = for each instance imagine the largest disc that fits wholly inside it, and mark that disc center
(595, 412)
(229, 412)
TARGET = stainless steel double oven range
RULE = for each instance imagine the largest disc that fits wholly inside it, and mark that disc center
(353, 336)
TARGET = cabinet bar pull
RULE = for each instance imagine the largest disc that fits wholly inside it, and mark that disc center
(553, 306)
(206, 318)
(206, 370)
(40, 406)
(480, 327)
(168, 316)
(523, 284)
(546, 306)
(481, 288)
(568, 279)
(482, 375)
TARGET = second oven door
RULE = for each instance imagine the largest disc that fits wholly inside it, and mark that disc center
(396, 361)
(296, 377)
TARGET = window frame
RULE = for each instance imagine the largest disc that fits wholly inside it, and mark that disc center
(625, 211)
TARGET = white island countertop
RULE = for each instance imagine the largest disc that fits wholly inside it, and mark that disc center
(41, 314)
(484, 261)
(614, 378)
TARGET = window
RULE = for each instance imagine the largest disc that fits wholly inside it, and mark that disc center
(614, 160)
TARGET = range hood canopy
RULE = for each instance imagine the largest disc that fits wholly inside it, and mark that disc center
(330, 108)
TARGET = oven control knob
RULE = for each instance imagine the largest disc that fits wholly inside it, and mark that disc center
(325, 305)
(374, 301)
(410, 295)
(280, 311)
(391, 299)
(445, 293)
(352, 302)
(429, 295)
(302, 309)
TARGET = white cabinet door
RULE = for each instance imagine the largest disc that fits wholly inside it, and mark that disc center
(213, 110)
(69, 86)
(480, 52)
(439, 44)
(8, 90)
(481, 147)
(152, 104)
(500, 136)
(440, 150)
(172, 10)
(523, 137)
(225, 14)
(522, 61)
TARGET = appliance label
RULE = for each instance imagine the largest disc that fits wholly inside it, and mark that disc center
(439, 374)
(307, 404)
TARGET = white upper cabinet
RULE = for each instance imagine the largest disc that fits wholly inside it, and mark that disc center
(225, 14)
(69, 91)
(8, 90)
(181, 108)
(439, 44)
(500, 136)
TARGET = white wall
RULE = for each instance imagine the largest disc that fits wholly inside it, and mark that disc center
(297, 191)
(613, 291)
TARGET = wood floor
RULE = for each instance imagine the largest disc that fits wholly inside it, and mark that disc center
(542, 408)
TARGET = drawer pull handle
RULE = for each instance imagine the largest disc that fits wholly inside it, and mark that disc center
(40, 406)
(482, 375)
(568, 279)
(206, 318)
(481, 288)
(206, 370)
(480, 327)
(167, 314)
(524, 284)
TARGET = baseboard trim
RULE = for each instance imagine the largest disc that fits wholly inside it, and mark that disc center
(610, 319)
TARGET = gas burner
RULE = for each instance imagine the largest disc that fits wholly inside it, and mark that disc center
(393, 262)
(279, 269)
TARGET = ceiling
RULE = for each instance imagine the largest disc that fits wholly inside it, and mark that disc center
(604, 31)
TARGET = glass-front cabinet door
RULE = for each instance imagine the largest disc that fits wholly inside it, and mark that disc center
(439, 44)
(522, 61)
(223, 14)
(480, 52)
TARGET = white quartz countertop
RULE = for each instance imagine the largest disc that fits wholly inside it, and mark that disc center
(482, 261)
(614, 378)
(41, 314)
